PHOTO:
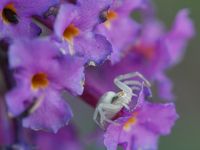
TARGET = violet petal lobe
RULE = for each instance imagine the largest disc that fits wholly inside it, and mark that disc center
(181, 32)
(52, 113)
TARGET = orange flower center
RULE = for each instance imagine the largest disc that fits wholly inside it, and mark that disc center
(39, 81)
(70, 32)
(9, 14)
(131, 121)
(110, 15)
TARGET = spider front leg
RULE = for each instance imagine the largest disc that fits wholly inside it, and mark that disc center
(126, 106)
(122, 86)
(132, 75)
(134, 85)
(102, 117)
(125, 88)
(96, 112)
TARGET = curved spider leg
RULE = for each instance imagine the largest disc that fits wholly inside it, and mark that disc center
(99, 111)
(133, 82)
(134, 85)
(134, 88)
(134, 74)
(126, 106)
(102, 120)
(110, 121)
(96, 112)
(122, 85)
(110, 107)
(107, 107)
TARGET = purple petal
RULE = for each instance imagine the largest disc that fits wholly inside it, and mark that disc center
(19, 99)
(64, 139)
(89, 13)
(125, 7)
(25, 28)
(121, 27)
(160, 123)
(111, 137)
(24, 52)
(33, 7)
(93, 47)
(24, 10)
(164, 86)
(182, 31)
(71, 74)
(142, 139)
(52, 113)
(62, 22)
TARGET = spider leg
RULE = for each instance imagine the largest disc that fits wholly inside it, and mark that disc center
(110, 121)
(122, 86)
(102, 117)
(96, 112)
(125, 105)
(110, 107)
(133, 84)
(134, 74)
(102, 108)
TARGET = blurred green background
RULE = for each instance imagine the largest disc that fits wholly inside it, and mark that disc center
(186, 77)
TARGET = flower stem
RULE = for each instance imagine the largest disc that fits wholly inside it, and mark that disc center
(9, 83)
(90, 95)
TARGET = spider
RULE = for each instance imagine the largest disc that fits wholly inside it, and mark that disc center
(111, 103)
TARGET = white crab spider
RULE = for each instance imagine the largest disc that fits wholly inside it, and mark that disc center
(111, 103)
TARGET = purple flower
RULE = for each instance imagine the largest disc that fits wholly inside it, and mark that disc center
(65, 138)
(119, 24)
(151, 54)
(16, 15)
(141, 128)
(76, 31)
(176, 40)
(42, 73)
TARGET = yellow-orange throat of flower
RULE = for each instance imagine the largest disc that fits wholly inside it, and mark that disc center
(131, 121)
(110, 15)
(69, 34)
(9, 14)
(39, 81)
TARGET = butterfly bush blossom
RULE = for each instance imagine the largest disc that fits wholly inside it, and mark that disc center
(42, 82)
(52, 47)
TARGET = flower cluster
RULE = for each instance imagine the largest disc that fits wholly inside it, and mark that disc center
(48, 47)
